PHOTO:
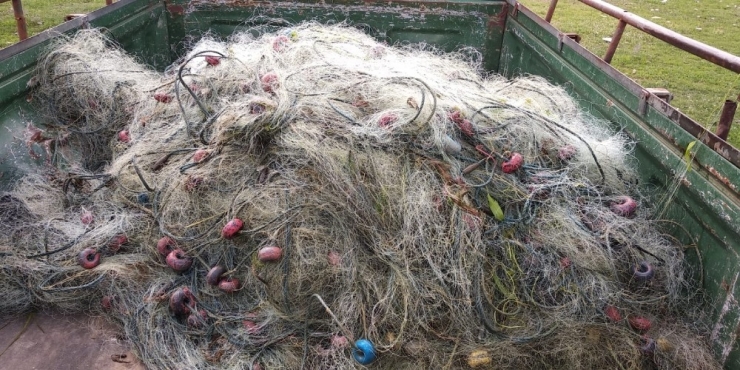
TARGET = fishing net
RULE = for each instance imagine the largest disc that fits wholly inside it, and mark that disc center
(311, 198)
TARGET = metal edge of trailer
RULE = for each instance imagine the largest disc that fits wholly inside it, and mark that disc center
(444, 24)
(703, 198)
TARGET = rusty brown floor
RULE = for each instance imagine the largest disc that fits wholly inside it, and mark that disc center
(53, 341)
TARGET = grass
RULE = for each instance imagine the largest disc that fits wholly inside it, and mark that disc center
(40, 15)
(700, 88)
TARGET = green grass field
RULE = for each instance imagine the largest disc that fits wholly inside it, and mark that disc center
(40, 15)
(699, 87)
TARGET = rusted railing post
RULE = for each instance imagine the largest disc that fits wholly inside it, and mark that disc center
(615, 41)
(20, 20)
(551, 10)
(108, 2)
(725, 119)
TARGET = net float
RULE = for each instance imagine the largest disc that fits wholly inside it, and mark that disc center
(450, 146)
(232, 228)
(165, 245)
(387, 119)
(117, 242)
(640, 324)
(339, 341)
(143, 198)
(229, 284)
(213, 60)
(124, 136)
(86, 217)
(270, 254)
(280, 42)
(162, 98)
(214, 275)
(193, 183)
(613, 313)
(200, 155)
(252, 327)
(107, 302)
(256, 108)
(89, 258)
(515, 161)
(364, 352)
(479, 358)
(647, 345)
(181, 301)
(664, 344)
(643, 271)
(334, 258)
(178, 260)
(567, 152)
(197, 319)
(624, 206)
(269, 82)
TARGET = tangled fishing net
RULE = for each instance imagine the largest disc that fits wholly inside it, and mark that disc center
(314, 199)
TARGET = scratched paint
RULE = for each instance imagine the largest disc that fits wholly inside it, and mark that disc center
(724, 335)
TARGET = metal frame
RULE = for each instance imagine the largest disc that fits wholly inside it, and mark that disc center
(702, 50)
(716, 56)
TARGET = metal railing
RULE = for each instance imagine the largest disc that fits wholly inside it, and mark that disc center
(20, 18)
(719, 57)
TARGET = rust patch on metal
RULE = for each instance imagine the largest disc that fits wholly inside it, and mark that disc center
(721, 178)
(725, 119)
(175, 9)
(498, 20)
(664, 107)
(719, 333)
(573, 36)
(725, 286)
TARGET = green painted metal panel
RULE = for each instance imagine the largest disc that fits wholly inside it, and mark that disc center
(448, 26)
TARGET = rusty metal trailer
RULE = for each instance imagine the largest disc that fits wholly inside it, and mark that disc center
(704, 210)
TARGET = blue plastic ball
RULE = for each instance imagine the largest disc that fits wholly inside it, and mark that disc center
(364, 352)
(143, 198)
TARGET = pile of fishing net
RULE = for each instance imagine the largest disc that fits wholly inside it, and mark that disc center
(311, 198)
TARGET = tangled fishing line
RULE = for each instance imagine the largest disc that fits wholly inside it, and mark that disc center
(311, 198)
